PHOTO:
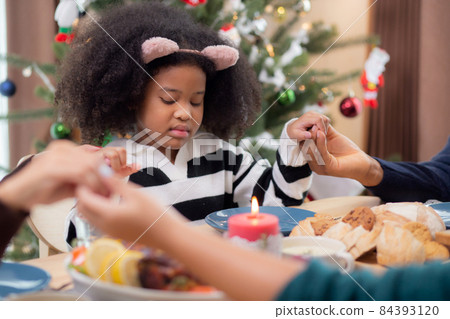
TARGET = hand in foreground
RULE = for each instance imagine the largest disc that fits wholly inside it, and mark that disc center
(306, 126)
(209, 257)
(52, 176)
(343, 158)
(132, 218)
(114, 157)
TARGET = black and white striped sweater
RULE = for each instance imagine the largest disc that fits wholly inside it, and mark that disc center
(210, 174)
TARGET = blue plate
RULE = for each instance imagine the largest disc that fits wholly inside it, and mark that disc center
(288, 216)
(443, 209)
(19, 278)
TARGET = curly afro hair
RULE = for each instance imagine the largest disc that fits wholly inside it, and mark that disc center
(103, 82)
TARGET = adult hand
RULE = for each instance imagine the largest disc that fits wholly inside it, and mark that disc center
(132, 218)
(343, 158)
(209, 257)
(52, 176)
(306, 126)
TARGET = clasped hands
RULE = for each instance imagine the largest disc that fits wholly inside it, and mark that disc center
(339, 156)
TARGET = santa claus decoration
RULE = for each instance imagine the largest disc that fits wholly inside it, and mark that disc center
(372, 78)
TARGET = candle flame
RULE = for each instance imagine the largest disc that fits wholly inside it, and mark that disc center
(255, 206)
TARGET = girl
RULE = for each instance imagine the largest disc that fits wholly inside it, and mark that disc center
(148, 70)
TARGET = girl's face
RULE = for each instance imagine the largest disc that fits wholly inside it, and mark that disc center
(173, 106)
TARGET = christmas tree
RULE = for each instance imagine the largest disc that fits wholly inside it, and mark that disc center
(270, 33)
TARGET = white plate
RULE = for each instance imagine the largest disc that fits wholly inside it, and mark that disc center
(328, 250)
(101, 290)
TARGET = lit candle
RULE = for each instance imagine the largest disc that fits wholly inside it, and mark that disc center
(253, 226)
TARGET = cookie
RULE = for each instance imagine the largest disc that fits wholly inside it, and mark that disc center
(360, 216)
(321, 225)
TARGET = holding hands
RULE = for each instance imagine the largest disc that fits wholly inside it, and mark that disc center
(339, 156)
(51, 176)
(307, 125)
(54, 174)
(114, 157)
(343, 158)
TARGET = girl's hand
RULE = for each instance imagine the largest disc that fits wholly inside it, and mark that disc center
(116, 158)
(52, 176)
(307, 125)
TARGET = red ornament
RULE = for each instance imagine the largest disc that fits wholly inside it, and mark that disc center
(64, 37)
(61, 37)
(350, 106)
(227, 27)
(194, 3)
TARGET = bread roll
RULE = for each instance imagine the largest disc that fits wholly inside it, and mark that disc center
(419, 231)
(387, 216)
(303, 228)
(338, 231)
(435, 251)
(397, 246)
(443, 237)
(353, 236)
(367, 242)
(416, 212)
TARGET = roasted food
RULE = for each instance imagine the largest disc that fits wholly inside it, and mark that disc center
(158, 271)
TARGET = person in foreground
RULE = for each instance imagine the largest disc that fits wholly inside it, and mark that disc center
(66, 170)
(245, 274)
(46, 178)
(391, 181)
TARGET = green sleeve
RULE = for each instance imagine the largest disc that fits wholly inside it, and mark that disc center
(418, 282)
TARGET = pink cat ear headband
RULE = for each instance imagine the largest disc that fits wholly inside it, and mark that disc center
(223, 56)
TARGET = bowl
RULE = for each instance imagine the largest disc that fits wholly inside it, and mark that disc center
(100, 290)
(330, 251)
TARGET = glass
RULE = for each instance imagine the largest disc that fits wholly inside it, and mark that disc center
(84, 231)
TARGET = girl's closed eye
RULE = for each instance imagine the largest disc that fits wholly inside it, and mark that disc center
(195, 103)
(167, 100)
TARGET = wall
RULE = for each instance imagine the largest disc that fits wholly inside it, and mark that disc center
(31, 29)
(434, 110)
(343, 13)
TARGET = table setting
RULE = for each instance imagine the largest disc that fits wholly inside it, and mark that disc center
(270, 229)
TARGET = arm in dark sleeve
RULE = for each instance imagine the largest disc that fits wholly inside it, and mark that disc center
(10, 221)
(404, 181)
(419, 282)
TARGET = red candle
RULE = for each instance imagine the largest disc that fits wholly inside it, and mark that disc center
(253, 226)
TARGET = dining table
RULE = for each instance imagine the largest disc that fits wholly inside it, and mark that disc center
(55, 265)
(61, 281)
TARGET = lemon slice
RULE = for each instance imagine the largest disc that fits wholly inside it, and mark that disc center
(98, 251)
(107, 263)
(125, 270)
